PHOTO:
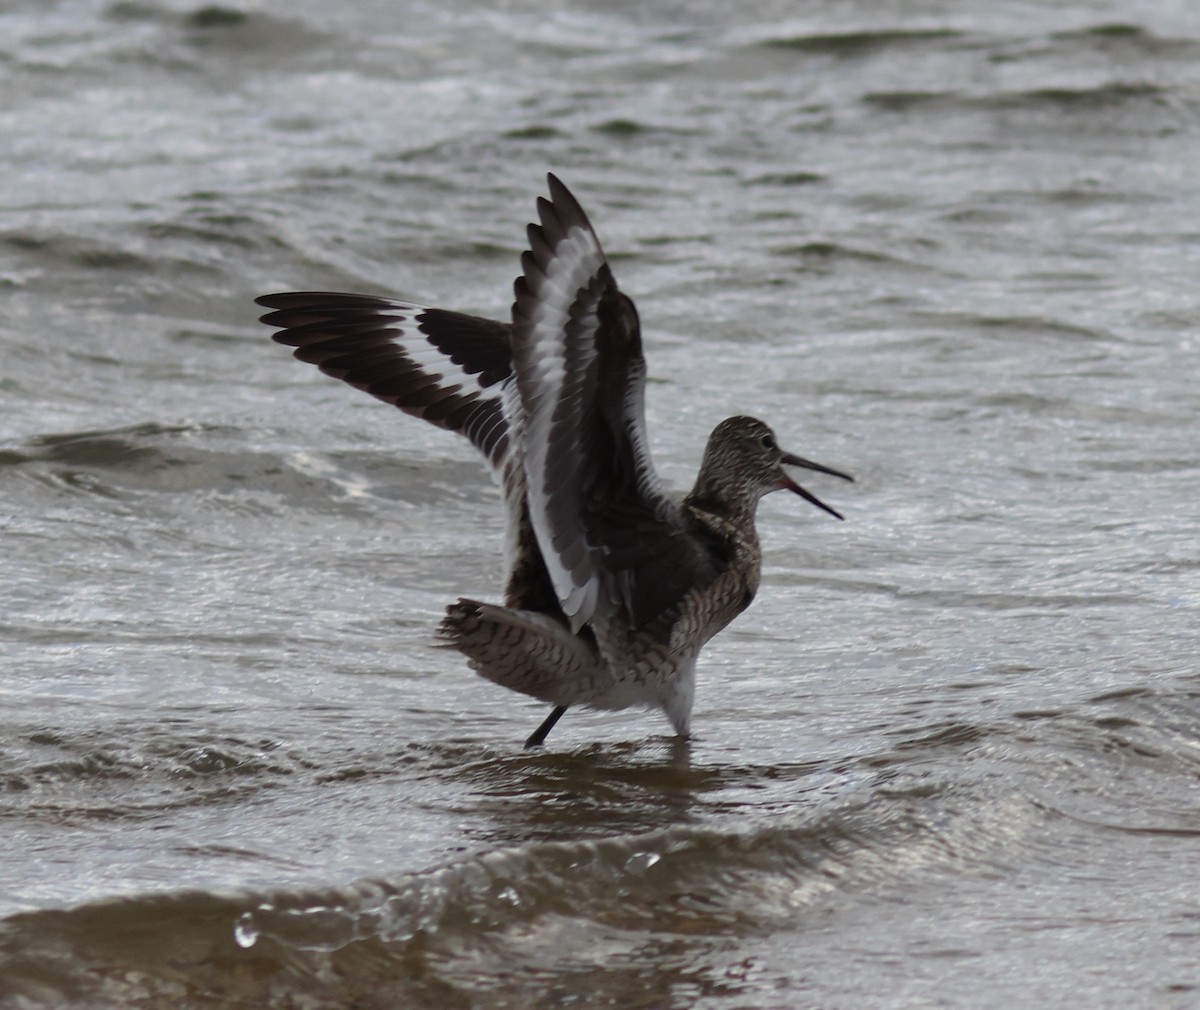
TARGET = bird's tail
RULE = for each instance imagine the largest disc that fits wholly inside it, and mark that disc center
(523, 650)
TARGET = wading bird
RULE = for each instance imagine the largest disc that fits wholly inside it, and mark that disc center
(613, 586)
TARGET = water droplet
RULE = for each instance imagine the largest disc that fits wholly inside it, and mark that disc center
(245, 930)
(641, 861)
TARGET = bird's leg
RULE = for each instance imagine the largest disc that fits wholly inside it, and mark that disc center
(538, 737)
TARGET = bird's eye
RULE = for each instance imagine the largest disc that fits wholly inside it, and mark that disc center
(767, 441)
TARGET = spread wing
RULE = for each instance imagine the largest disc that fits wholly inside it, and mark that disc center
(612, 540)
(448, 368)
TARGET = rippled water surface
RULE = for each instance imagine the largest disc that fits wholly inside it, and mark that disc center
(950, 757)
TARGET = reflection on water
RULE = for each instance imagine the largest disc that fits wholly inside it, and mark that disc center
(632, 868)
(635, 786)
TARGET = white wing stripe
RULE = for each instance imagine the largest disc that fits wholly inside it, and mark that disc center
(549, 389)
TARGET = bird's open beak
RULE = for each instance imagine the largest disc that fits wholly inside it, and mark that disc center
(786, 482)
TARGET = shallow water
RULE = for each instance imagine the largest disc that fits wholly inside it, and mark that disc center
(951, 756)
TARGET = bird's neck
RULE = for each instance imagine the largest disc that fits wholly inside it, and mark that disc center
(718, 498)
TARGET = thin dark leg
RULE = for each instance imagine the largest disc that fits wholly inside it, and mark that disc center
(538, 737)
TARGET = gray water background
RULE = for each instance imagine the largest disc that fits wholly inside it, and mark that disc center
(950, 757)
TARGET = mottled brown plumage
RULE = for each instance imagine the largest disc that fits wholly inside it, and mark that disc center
(613, 586)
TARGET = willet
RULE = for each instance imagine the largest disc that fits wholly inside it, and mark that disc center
(613, 586)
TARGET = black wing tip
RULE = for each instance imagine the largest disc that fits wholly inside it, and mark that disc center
(564, 205)
(294, 299)
(311, 299)
(559, 191)
(297, 308)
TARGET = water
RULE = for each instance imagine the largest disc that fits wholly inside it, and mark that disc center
(950, 756)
